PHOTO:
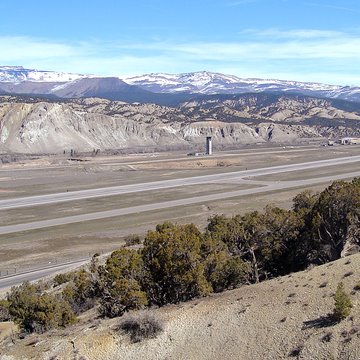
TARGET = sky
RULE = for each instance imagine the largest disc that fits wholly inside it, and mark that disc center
(302, 40)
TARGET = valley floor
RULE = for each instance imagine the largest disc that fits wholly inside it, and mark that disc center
(37, 248)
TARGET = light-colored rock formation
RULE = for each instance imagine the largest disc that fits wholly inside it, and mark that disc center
(38, 126)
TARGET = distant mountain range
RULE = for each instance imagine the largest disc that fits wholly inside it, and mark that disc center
(214, 83)
(45, 112)
(163, 89)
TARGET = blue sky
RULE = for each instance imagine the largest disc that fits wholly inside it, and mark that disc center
(304, 40)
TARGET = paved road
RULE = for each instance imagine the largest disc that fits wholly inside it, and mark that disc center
(272, 186)
(12, 280)
(165, 184)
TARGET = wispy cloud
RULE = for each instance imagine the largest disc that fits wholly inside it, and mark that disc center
(333, 7)
(278, 34)
(296, 45)
(303, 54)
(17, 47)
(242, 2)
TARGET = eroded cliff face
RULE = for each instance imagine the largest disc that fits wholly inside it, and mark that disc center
(54, 127)
(84, 125)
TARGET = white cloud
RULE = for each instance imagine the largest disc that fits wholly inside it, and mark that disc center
(332, 7)
(330, 48)
(278, 34)
(303, 54)
(18, 47)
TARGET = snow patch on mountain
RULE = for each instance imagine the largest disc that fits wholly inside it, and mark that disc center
(210, 83)
(207, 82)
(18, 74)
(17, 79)
(64, 85)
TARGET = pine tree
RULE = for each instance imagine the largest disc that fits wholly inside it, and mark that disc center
(343, 303)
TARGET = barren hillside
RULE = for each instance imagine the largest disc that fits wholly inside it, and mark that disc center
(34, 125)
(283, 318)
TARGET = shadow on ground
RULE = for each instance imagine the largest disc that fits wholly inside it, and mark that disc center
(321, 322)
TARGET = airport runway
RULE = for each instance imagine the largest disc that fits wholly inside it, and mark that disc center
(271, 186)
(165, 184)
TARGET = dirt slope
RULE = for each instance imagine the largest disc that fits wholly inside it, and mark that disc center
(277, 319)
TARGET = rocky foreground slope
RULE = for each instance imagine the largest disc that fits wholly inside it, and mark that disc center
(284, 318)
(30, 125)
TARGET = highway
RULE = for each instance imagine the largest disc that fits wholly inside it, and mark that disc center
(16, 279)
(165, 184)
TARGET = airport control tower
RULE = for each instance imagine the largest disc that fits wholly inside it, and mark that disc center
(208, 145)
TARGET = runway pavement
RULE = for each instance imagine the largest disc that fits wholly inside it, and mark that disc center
(165, 184)
(272, 186)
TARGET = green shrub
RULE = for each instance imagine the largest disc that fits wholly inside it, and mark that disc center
(119, 283)
(121, 296)
(174, 265)
(4, 310)
(343, 303)
(81, 291)
(227, 273)
(123, 263)
(60, 279)
(36, 312)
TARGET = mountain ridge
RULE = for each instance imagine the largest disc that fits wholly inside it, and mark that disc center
(166, 88)
(216, 83)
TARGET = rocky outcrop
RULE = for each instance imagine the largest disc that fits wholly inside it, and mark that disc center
(270, 107)
(36, 126)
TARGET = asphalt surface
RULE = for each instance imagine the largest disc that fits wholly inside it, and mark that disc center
(16, 279)
(165, 184)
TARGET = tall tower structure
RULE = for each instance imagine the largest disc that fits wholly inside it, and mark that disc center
(208, 145)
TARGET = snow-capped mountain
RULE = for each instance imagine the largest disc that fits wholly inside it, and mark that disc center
(198, 82)
(215, 83)
(18, 74)
(159, 88)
